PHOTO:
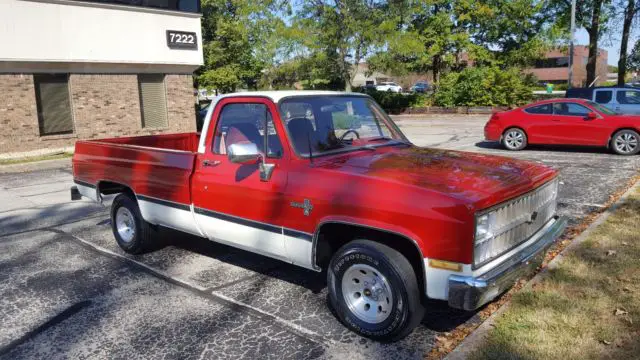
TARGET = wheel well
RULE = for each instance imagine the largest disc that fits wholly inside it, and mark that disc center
(109, 187)
(332, 236)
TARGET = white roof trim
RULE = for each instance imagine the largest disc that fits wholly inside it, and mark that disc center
(278, 95)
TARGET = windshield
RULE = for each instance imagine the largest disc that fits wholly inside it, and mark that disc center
(603, 109)
(328, 124)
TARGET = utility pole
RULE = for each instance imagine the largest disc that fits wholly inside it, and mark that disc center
(573, 36)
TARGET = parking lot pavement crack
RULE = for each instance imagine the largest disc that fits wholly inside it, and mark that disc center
(221, 299)
(242, 279)
(63, 315)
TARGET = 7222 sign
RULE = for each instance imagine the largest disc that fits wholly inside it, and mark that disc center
(182, 40)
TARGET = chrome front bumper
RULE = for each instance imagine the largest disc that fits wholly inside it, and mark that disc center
(470, 293)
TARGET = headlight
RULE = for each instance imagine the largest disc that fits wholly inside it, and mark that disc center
(484, 228)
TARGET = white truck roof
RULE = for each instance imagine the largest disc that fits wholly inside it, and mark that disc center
(277, 95)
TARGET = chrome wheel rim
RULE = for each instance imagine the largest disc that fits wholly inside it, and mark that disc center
(367, 293)
(514, 139)
(125, 224)
(626, 143)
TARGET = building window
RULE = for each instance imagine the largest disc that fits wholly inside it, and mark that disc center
(552, 62)
(54, 106)
(178, 5)
(153, 100)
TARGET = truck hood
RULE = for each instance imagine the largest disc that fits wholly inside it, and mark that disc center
(483, 180)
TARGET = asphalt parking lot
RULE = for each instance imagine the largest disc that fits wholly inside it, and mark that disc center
(68, 291)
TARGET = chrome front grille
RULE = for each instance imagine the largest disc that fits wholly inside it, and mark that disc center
(515, 221)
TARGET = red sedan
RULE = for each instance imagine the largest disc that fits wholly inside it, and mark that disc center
(565, 122)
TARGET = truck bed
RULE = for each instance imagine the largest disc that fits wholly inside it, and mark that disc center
(156, 166)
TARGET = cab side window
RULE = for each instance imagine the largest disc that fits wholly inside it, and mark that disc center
(604, 96)
(570, 109)
(628, 97)
(540, 109)
(246, 123)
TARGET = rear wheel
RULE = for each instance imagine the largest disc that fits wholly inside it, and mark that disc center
(374, 291)
(514, 139)
(626, 142)
(131, 231)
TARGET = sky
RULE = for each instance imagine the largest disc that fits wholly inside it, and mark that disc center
(612, 45)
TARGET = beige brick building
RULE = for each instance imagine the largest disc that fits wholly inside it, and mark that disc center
(71, 77)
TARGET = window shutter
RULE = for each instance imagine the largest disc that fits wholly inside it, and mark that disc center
(54, 106)
(153, 100)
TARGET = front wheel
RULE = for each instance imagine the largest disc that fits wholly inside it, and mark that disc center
(626, 142)
(374, 291)
(514, 139)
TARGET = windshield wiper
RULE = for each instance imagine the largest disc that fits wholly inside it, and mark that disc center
(380, 138)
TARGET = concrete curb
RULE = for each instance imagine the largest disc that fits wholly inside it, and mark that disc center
(472, 342)
(36, 165)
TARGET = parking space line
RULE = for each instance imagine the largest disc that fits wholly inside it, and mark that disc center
(202, 291)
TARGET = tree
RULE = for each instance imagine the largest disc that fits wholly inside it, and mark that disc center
(434, 33)
(594, 16)
(234, 34)
(629, 14)
(633, 61)
(512, 32)
(341, 33)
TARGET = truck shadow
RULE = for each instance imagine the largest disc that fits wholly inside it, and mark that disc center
(439, 316)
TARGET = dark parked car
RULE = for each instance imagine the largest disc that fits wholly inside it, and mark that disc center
(421, 87)
(623, 100)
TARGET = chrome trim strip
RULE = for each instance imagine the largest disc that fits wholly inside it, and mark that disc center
(168, 203)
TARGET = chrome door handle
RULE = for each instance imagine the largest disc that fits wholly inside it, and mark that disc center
(211, 163)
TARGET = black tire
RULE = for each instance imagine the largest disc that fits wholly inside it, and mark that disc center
(514, 139)
(140, 241)
(406, 310)
(625, 142)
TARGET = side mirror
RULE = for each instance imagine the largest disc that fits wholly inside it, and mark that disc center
(592, 116)
(243, 153)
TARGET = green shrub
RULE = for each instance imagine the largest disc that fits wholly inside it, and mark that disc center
(484, 86)
(395, 103)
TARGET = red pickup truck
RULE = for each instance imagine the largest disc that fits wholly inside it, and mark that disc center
(327, 181)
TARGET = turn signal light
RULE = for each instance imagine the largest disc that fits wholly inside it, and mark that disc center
(446, 265)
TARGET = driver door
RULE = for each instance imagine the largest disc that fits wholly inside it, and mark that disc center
(232, 204)
(574, 126)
